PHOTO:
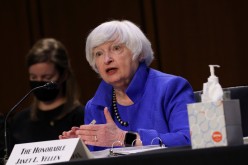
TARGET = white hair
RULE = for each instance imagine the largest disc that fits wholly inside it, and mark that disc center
(124, 32)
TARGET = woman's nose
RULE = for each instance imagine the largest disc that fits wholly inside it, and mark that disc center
(108, 58)
(39, 79)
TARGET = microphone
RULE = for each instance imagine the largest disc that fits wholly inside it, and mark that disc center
(49, 85)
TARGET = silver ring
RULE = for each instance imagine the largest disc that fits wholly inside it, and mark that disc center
(95, 138)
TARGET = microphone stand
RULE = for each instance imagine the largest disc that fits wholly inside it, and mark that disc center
(48, 85)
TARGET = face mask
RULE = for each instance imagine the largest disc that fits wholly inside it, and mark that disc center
(44, 94)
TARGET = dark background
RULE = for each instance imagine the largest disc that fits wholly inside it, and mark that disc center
(187, 36)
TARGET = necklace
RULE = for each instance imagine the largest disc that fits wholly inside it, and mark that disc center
(117, 115)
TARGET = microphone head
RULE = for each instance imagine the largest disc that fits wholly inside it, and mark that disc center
(50, 85)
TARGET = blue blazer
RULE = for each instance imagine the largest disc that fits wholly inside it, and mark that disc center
(159, 109)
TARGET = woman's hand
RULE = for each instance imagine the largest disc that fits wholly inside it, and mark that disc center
(69, 134)
(104, 135)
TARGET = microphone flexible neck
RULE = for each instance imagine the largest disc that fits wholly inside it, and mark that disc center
(12, 109)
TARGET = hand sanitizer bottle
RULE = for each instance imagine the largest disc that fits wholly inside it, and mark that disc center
(212, 90)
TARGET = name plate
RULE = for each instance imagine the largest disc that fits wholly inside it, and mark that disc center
(47, 152)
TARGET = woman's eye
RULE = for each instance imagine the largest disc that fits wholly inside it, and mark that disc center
(32, 78)
(117, 48)
(98, 53)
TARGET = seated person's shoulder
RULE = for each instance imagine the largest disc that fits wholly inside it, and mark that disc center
(77, 114)
(21, 114)
(78, 110)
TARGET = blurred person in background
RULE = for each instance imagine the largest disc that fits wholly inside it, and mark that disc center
(53, 110)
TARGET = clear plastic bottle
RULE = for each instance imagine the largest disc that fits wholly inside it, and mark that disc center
(212, 90)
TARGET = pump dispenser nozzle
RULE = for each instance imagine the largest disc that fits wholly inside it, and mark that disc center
(212, 76)
(212, 90)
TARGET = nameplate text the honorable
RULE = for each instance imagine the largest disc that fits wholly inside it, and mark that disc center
(47, 152)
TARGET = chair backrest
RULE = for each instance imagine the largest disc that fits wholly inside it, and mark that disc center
(240, 93)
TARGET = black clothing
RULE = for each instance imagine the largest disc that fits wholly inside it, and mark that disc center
(23, 130)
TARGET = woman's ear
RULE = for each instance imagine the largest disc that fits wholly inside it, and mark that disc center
(141, 58)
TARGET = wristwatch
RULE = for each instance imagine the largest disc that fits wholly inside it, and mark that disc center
(130, 139)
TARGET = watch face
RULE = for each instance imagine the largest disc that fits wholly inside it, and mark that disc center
(130, 139)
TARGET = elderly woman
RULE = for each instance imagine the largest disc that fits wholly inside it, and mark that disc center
(134, 104)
